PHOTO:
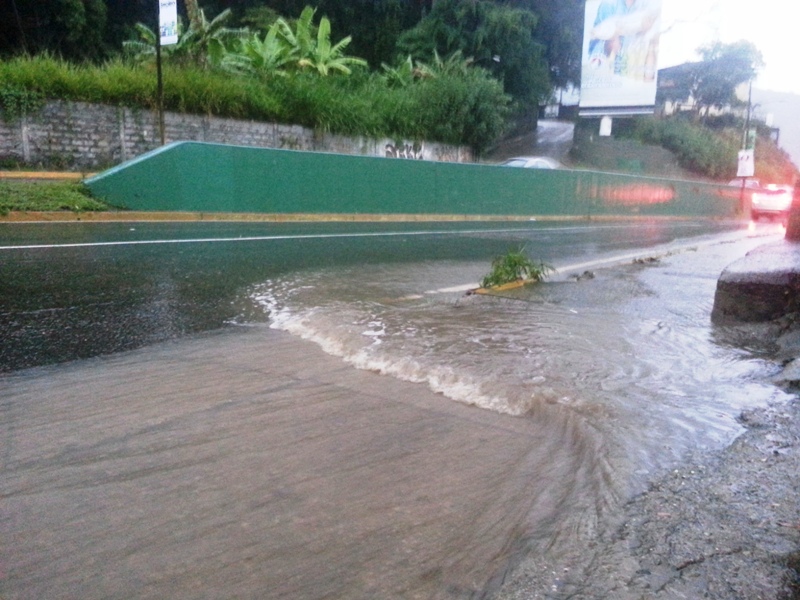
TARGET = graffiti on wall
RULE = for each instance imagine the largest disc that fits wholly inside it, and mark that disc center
(402, 150)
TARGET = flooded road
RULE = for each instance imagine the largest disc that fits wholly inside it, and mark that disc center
(248, 462)
(77, 290)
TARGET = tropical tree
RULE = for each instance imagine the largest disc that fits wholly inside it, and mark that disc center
(410, 70)
(712, 82)
(73, 29)
(724, 68)
(193, 10)
(561, 35)
(325, 57)
(401, 75)
(498, 37)
(374, 25)
(299, 39)
(143, 47)
(257, 56)
(204, 43)
(301, 46)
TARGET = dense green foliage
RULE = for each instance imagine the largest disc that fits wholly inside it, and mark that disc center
(374, 26)
(496, 37)
(16, 101)
(95, 29)
(528, 45)
(464, 108)
(43, 196)
(514, 266)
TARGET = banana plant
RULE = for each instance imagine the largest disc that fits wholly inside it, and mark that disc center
(410, 70)
(143, 48)
(315, 52)
(256, 56)
(325, 56)
(205, 43)
(300, 39)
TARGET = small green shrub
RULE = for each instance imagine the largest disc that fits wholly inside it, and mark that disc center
(16, 102)
(515, 266)
(697, 148)
(46, 196)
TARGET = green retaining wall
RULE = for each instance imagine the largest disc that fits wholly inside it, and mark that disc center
(209, 178)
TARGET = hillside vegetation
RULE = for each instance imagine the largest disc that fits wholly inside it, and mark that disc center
(679, 146)
(466, 107)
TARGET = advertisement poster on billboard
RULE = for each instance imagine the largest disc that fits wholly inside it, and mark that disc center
(620, 56)
(168, 21)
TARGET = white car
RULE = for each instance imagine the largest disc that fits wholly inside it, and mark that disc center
(772, 201)
(533, 162)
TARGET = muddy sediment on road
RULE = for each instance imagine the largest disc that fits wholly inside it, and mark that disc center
(725, 525)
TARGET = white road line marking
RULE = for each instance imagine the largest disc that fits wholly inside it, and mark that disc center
(305, 237)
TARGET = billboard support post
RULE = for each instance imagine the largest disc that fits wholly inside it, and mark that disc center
(167, 34)
(606, 124)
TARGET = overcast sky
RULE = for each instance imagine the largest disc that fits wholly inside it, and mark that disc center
(770, 24)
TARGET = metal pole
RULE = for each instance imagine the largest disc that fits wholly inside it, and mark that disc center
(744, 140)
(160, 87)
(747, 121)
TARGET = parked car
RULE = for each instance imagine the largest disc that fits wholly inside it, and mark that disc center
(533, 162)
(772, 201)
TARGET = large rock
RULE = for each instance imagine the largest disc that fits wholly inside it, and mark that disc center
(762, 286)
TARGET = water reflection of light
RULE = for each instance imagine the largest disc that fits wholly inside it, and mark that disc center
(637, 194)
(766, 228)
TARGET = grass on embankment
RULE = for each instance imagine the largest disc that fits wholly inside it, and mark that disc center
(47, 196)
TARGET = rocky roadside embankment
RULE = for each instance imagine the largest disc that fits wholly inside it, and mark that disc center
(726, 526)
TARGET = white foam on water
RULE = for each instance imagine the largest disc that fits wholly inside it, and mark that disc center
(340, 334)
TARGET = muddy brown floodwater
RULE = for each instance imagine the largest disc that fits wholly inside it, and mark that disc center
(593, 437)
(251, 464)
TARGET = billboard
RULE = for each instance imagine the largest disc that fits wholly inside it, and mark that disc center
(168, 22)
(620, 57)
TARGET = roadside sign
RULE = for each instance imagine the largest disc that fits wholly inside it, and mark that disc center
(747, 163)
(168, 22)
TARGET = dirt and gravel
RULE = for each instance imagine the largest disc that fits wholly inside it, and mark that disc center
(725, 526)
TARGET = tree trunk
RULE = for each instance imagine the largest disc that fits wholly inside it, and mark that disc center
(195, 22)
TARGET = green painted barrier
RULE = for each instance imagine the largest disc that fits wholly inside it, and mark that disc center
(215, 178)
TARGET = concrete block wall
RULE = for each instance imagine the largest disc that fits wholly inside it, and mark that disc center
(78, 135)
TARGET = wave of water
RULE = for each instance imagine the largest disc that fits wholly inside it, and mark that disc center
(628, 351)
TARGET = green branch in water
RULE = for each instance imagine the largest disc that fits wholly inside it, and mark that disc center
(515, 266)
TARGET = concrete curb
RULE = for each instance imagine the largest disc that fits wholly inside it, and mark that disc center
(45, 175)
